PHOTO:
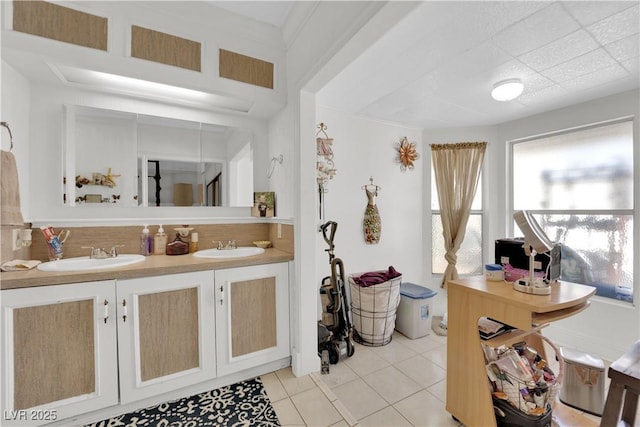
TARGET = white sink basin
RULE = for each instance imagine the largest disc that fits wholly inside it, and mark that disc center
(85, 263)
(229, 253)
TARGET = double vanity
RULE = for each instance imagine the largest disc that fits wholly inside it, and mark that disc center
(85, 341)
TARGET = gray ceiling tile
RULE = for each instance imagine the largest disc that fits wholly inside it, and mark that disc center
(559, 51)
(617, 26)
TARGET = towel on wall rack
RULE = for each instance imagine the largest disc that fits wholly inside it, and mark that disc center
(10, 213)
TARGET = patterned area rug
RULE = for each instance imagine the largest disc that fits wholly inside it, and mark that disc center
(241, 404)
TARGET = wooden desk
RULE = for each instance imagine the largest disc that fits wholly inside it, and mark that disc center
(468, 390)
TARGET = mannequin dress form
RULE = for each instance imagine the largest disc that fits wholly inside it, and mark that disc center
(371, 223)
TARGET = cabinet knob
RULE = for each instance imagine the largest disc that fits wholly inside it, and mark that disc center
(124, 310)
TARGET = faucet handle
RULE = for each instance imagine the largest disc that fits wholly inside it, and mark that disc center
(92, 253)
(220, 246)
(114, 250)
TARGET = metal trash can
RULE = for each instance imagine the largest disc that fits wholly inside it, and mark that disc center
(583, 383)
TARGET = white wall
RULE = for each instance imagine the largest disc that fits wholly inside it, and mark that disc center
(362, 149)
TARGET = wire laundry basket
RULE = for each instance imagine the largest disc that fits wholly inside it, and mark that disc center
(374, 311)
(513, 387)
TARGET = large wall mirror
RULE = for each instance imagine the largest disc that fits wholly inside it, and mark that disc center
(125, 159)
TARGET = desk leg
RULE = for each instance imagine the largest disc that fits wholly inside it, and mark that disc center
(468, 392)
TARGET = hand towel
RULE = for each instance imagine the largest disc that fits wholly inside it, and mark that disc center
(10, 213)
(19, 265)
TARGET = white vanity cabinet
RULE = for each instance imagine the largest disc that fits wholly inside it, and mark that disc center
(252, 316)
(59, 352)
(166, 333)
(73, 349)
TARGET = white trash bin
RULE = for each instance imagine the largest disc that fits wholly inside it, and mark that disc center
(413, 317)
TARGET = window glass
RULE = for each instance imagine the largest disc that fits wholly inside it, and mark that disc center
(579, 186)
(588, 169)
(470, 252)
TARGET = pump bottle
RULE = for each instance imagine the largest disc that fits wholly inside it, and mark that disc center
(146, 242)
(160, 242)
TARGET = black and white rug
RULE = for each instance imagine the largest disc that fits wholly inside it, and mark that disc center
(238, 405)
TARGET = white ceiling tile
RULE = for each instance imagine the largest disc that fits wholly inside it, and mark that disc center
(617, 26)
(536, 30)
(542, 96)
(588, 12)
(633, 67)
(559, 51)
(624, 49)
(580, 66)
(597, 78)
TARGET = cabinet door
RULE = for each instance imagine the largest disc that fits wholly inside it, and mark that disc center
(60, 352)
(166, 333)
(252, 316)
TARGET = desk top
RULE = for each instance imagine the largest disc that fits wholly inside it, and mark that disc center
(563, 294)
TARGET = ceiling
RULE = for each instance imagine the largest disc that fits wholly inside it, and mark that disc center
(437, 67)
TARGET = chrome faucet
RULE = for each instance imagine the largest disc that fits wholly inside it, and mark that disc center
(101, 253)
(231, 244)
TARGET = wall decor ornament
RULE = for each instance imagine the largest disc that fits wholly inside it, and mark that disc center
(371, 224)
(325, 169)
(407, 154)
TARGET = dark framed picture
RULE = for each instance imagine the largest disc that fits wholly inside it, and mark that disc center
(264, 204)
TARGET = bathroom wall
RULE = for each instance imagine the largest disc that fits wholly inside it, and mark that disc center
(362, 149)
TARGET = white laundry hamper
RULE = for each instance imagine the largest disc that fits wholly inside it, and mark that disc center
(373, 309)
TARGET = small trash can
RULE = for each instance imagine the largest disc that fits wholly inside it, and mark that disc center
(413, 317)
(583, 382)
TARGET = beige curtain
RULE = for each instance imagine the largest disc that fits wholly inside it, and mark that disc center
(457, 170)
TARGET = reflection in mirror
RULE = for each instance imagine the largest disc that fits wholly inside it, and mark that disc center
(144, 160)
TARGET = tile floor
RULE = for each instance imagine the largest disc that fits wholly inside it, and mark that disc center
(400, 384)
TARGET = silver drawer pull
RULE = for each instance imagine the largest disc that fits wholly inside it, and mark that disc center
(106, 310)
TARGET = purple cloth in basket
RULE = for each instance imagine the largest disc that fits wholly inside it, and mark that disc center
(376, 277)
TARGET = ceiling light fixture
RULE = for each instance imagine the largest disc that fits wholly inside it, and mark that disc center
(507, 90)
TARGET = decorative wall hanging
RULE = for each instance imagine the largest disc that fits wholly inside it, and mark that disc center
(407, 154)
(324, 163)
(371, 225)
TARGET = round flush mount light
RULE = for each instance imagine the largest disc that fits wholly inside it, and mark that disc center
(507, 90)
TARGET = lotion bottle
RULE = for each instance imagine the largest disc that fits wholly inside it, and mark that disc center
(146, 242)
(160, 242)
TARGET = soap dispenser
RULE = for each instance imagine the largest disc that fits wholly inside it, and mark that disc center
(146, 242)
(160, 242)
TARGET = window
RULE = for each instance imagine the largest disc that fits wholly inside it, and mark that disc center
(470, 252)
(579, 186)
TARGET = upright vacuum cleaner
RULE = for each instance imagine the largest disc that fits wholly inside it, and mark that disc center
(334, 330)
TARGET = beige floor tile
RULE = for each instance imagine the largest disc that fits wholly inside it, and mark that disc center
(274, 387)
(439, 339)
(438, 356)
(392, 384)
(422, 370)
(292, 384)
(346, 414)
(287, 413)
(339, 374)
(341, 423)
(364, 361)
(424, 410)
(439, 390)
(359, 398)
(394, 352)
(387, 417)
(315, 408)
(419, 345)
